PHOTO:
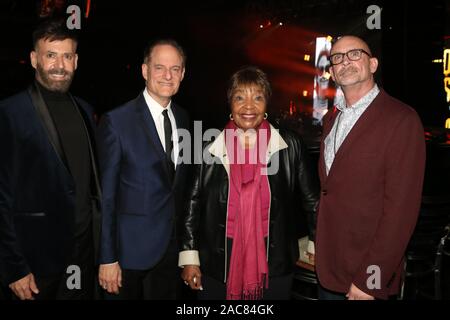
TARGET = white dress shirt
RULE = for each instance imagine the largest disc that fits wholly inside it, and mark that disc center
(156, 111)
(344, 123)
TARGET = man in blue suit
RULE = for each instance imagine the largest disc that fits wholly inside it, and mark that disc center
(142, 182)
(49, 218)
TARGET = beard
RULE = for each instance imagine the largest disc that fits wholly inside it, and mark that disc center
(62, 85)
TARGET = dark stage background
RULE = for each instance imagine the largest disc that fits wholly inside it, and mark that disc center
(220, 36)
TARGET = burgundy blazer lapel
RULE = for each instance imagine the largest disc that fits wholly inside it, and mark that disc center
(363, 124)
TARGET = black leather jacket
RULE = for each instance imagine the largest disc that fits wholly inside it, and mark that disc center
(294, 195)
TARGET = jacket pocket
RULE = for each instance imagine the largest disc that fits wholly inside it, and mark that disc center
(30, 214)
(132, 214)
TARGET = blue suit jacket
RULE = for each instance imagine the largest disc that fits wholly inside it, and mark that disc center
(37, 191)
(140, 201)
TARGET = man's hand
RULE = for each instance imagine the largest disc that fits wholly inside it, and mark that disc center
(25, 287)
(192, 276)
(110, 277)
(355, 294)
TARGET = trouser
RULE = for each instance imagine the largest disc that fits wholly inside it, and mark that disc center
(162, 282)
(279, 288)
(76, 282)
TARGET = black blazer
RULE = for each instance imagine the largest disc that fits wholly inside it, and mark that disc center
(37, 191)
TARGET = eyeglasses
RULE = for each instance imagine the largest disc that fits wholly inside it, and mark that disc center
(352, 55)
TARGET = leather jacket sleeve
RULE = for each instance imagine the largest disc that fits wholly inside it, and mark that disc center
(189, 231)
(308, 186)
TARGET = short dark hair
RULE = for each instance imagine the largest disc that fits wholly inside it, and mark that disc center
(249, 75)
(160, 42)
(53, 29)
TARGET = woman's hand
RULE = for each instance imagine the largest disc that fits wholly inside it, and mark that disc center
(192, 277)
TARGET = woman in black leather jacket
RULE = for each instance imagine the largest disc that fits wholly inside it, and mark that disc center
(253, 188)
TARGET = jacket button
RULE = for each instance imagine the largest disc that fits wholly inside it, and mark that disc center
(324, 192)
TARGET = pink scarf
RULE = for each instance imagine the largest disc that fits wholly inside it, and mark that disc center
(248, 265)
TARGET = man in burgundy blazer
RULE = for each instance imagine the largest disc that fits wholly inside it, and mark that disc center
(371, 170)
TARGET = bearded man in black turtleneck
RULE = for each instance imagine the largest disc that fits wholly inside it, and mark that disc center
(49, 211)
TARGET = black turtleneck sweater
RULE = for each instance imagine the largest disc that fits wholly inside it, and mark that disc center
(72, 133)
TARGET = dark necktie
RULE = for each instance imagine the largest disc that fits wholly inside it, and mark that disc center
(168, 138)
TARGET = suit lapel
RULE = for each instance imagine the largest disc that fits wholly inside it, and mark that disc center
(88, 123)
(363, 124)
(180, 121)
(47, 121)
(148, 124)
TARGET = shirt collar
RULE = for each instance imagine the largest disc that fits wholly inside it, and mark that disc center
(361, 103)
(155, 108)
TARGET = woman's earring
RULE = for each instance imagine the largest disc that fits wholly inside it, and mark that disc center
(231, 117)
(266, 116)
